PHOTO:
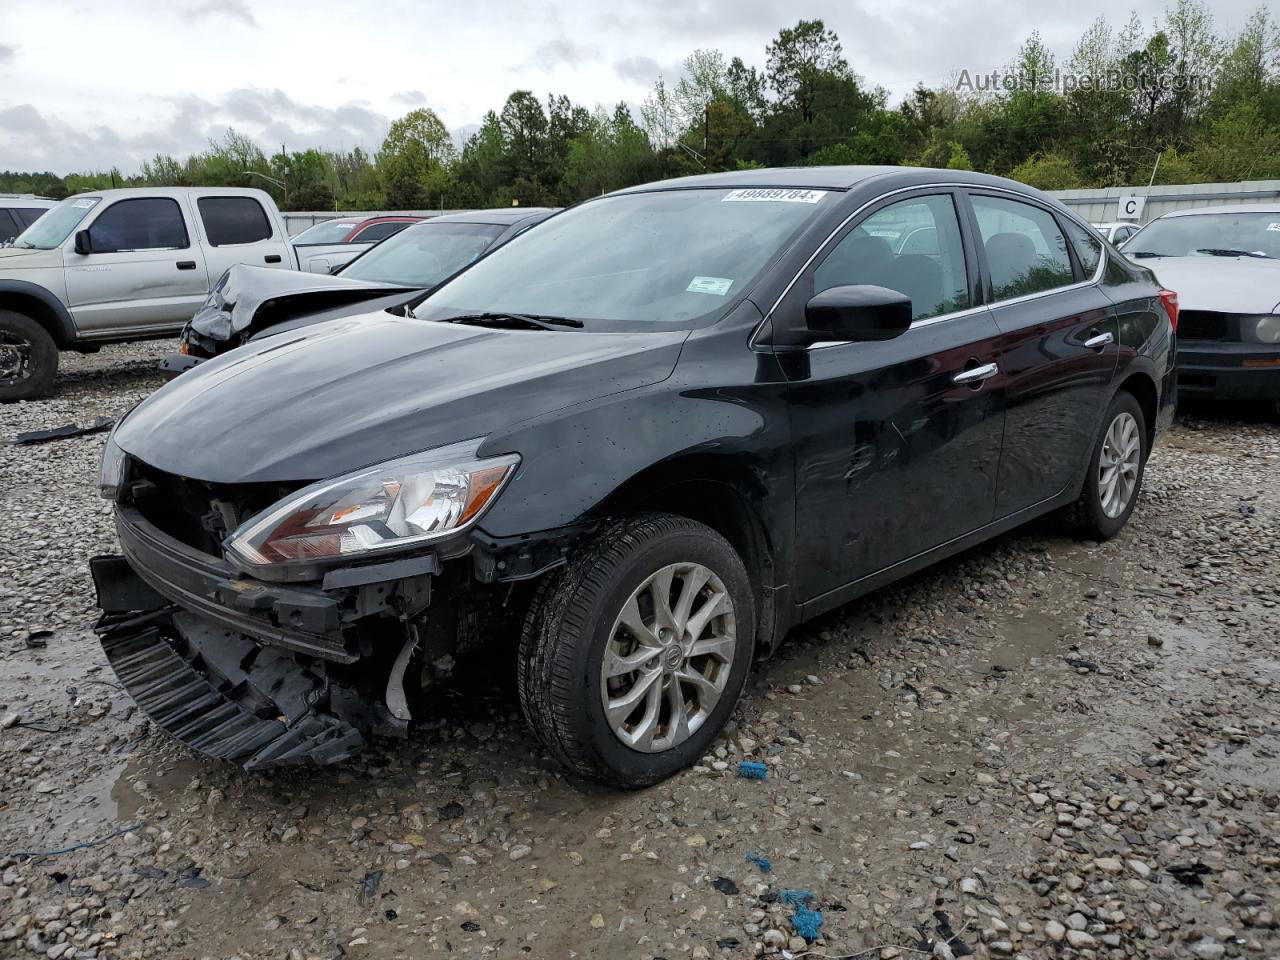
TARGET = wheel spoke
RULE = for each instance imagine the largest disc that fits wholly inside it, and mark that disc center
(643, 734)
(714, 605)
(678, 724)
(719, 647)
(622, 707)
(692, 582)
(616, 665)
(708, 693)
(631, 619)
(660, 591)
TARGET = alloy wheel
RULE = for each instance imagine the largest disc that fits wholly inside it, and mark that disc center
(1118, 464)
(15, 358)
(668, 657)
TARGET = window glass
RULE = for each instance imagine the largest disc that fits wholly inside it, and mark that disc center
(378, 231)
(425, 255)
(147, 223)
(1026, 252)
(55, 226)
(913, 247)
(331, 231)
(229, 220)
(1088, 249)
(8, 226)
(1248, 234)
(667, 256)
(26, 216)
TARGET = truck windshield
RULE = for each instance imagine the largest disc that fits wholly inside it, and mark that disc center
(423, 255)
(671, 256)
(331, 231)
(55, 226)
(1209, 235)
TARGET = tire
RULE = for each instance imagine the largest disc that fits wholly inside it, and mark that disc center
(576, 615)
(28, 358)
(1089, 517)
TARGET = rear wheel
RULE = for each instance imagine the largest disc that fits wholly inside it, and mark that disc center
(633, 656)
(28, 358)
(1114, 480)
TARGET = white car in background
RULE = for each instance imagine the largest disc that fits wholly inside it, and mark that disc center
(1117, 232)
(19, 211)
(1224, 264)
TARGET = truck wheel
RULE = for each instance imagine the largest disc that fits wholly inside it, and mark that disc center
(1114, 480)
(28, 358)
(633, 655)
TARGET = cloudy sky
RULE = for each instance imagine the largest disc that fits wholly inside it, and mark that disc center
(90, 85)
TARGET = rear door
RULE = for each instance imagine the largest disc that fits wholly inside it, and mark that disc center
(896, 443)
(146, 270)
(1057, 347)
(239, 230)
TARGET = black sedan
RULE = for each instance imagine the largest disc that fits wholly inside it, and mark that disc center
(627, 452)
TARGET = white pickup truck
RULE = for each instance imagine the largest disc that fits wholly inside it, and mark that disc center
(117, 265)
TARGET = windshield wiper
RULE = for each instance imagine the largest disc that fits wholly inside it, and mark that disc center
(537, 321)
(1226, 252)
(1143, 253)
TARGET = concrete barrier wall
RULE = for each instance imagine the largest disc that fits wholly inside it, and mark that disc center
(1102, 206)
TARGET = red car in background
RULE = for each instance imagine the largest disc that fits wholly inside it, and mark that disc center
(334, 243)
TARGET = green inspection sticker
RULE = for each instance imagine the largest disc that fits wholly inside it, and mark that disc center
(718, 286)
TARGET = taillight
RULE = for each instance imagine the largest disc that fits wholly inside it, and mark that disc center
(1170, 301)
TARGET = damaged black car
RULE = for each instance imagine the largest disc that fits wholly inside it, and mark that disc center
(630, 450)
(249, 302)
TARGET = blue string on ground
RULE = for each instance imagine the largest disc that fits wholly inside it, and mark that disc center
(760, 860)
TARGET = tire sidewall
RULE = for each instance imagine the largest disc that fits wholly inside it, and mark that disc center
(44, 354)
(594, 731)
(1124, 402)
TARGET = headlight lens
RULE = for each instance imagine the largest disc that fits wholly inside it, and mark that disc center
(397, 504)
(111, 469)
(1262, 329)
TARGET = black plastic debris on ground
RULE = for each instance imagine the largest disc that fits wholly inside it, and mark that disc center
(1189, 874)
(38, 639)
(451, 810)
(725, 886)
(64, 432)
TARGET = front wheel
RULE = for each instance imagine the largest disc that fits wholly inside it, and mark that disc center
(1116, 467)
(633, 656)
(28, 358)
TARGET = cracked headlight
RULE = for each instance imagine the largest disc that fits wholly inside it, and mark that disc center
(1265, 329)
(397, 504)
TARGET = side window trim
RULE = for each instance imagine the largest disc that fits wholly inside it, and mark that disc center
(869, 210)
(99, 214)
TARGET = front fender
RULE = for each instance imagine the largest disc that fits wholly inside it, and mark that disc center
(54, 315)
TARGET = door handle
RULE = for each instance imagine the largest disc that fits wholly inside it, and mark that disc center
(976, 374)
(272, 258)
(186, 264)
(1100, 340)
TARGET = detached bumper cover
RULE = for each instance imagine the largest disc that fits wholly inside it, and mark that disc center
(177, 363)
(1238, 371)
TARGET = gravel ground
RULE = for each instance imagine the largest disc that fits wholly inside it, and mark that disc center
(1040, 749)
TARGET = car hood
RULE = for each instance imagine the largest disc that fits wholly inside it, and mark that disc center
(242, 291)
(1225, 284)
(348, 393)
(23, 258)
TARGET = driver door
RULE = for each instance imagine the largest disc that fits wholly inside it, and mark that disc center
(896, 443)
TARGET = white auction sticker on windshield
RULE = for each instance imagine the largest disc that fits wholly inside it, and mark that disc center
(1273, 226)
(718, 286)
(775, 195)
(86, 204)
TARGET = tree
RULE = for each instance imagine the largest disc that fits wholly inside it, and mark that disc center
(413, 160)
(1048, 171)
(800, 60)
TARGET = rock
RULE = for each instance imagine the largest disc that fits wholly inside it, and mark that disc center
(597, 920)
(1207, 949)
(1108, 865)
(1054, 931)
(1080, 940)
(774, 938)
(1140, 868)
(519, 851)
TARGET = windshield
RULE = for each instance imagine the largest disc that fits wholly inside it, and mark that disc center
(423, 255)
(1207, 235)
(56, 225)
(331, 231)
(669, 256)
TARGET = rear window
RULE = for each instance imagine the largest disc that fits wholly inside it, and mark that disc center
(331, 231)
(231, 220)
(27, 215)
(379, 231)
(8, 226)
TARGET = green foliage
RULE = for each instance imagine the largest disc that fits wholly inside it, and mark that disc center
(1207, 105)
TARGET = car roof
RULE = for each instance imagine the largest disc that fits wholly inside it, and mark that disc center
(1225, 208)
(26, 202)
(819, 178)
(496, 215)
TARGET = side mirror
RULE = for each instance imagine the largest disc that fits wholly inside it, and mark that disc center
(860, 313)
(83, 244)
